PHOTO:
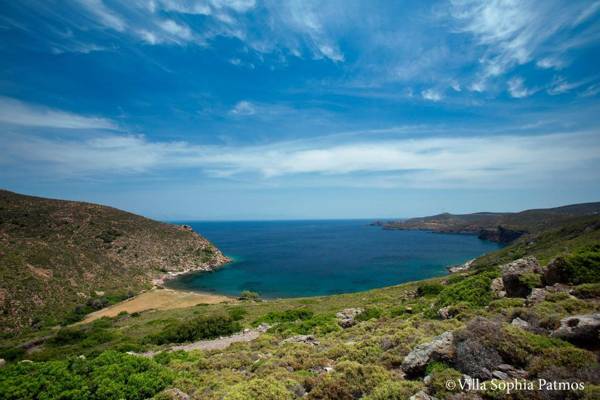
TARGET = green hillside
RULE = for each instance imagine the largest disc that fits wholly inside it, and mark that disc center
(537, 318)
(60, 258)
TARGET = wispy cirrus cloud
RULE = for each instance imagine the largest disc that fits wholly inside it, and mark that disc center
(16, 112)
(498, 161)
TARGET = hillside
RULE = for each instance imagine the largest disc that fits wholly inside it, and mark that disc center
(61, 258)
(499, 227)
(528, 312)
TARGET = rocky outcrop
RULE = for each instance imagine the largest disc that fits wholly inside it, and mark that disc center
(305, 339)
(521, 323)
(461, 267)
(512, 273)
(555, 272)
(347, 317)
(174, 394)
(583, 330)
(497, 288)
(440, 348)
(500, 234)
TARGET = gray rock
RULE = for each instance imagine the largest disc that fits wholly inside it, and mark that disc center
(520, 323)
(175, 394)
(556, 272)
(306, 339)
(580, 329)
(537, 296)
(497, 287)
(347, 317)
(440, 348)
(2, 362)
(421, 395)
(446, 312)
(512, 271)
(427, 380)
(500, 375)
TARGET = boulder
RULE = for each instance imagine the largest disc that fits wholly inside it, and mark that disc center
(556, 272)
(2, 362)
(511, 371)
(581, 329)
(497, 288)
(500, 375)
(512, 272)
(520, 323)
(537, 296)
(306, 339)
(347, 317)
(446, 312)
(421, 395)
(440, 348)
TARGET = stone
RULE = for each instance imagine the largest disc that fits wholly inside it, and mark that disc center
(2, 362)
(580, 329)
(306, 339)
(347, 317)
(441, 348)
(427, 380)
(461, 267)
(175, 394)
(500, 375)
(537, 296)
(446, 312)
(512, 272)
(421, 395)
(521, 323)
(556, 272)
(497, 288)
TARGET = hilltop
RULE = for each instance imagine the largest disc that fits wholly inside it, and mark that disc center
(499, 227)
(60, 259)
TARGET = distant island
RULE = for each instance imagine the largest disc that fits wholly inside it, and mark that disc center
(497, 227)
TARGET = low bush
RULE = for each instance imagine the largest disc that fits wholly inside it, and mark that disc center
(259, 389)
(285, 316)
(369, 313)
(112, 375)
(587, 291)
(429, 289)
(395, 390)
(195, 329)
(248, 295)
(474, 290)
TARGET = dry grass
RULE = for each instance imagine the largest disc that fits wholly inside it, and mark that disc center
(158, 299)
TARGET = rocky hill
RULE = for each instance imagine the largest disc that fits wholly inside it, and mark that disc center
(498, 227)
(58, 255)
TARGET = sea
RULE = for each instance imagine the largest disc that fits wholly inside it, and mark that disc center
(280, 259)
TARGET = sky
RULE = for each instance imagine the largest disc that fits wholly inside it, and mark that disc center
(248, 109)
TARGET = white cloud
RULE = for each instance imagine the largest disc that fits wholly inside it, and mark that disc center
(19, 113)
(243, 108)
(517, 89)
(591, 90)
(507, 160)
(560, 85)
(431, 95)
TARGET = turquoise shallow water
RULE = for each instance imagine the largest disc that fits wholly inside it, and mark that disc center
(309, 258)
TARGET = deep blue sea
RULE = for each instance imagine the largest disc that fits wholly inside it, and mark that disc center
(308, 258)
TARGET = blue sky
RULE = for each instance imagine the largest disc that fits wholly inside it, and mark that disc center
(243, 109)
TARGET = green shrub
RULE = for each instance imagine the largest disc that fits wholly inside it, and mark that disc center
(429, 289)
(474, 290)
(285, 316)
(570, 358)
(11, 353)
(248, 295)
(319, 324)
(112, 375)
(587, 291)
(439, 381)
(259, 389)
(369, 313)
(237, 313)
(195, 329)
(580, 267)
(390, 390)
(531, 280)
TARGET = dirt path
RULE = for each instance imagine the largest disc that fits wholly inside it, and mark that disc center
(157, 299)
